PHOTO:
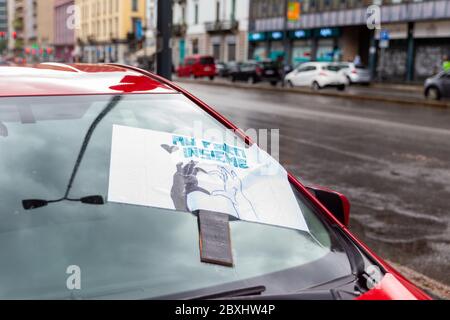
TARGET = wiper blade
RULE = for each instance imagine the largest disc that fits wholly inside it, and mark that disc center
(31, 204)
(236, 293)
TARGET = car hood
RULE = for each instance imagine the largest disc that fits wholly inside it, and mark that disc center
(434, 78)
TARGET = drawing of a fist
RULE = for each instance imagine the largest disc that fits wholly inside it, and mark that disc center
(185, 182)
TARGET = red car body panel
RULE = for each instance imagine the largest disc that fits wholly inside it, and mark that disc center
(57, 79)
(118, 79)
(194, 66)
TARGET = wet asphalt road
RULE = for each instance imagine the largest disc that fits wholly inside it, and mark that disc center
(392, 161)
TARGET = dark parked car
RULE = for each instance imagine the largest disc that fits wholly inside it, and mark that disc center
(254, 72)
(223, 69)
(438, 87)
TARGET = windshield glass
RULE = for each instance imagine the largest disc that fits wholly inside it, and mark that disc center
(207, 60)
(332, 68)
(123, 249)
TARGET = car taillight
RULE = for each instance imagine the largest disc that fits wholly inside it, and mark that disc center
(355, 72)
(259, 71)
(323, 74)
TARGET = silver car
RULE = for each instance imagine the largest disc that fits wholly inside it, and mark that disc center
(438, 86)
(355, 73)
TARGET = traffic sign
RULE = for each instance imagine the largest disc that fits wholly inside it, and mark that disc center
(384, 44)
(384, 35)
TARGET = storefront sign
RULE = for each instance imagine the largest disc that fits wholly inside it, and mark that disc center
(276, 35)
(435, 29)
(393, 31)
(300, 34)
(327, 32)
(294, 11)
(257, 36)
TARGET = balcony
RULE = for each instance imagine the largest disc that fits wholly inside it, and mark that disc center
(222, 26)
(18, 24)
(179, 30)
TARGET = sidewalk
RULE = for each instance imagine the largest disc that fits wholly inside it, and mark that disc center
(391, 93)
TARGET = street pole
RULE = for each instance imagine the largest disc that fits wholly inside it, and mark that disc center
(164, 49)
(285, 40)
(410, 56)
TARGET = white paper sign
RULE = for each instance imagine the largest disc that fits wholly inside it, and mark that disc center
(164, 170)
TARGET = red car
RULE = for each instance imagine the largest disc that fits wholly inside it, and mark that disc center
(198, 66)
(88, 211)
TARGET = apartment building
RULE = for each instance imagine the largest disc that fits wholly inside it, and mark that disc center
(45, 24)
(3, 25)
(214, 27)
(31, 23)
(3, 16)
(10, 20)
(109, 30)
(24, 23)
(418, 34)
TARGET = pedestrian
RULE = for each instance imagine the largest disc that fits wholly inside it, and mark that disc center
(445, 63)
(357, 60)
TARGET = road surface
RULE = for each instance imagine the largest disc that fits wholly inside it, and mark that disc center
(392, 161)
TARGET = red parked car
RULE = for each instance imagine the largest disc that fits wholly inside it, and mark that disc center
(198, 66)
(69, 230)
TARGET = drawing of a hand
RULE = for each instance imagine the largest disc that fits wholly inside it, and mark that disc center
(185, 182)
(232, 190)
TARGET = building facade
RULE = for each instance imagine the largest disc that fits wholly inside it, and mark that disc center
(3, 26)
(64, 30)
(45, 23)
(109, 31)
(30, 29)
(213, 27)
(417, 34)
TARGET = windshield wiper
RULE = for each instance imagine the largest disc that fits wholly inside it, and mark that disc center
(235, 293)
(31, 204)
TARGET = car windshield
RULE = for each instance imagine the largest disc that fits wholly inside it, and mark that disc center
(207, 60)
(332, 68)
(125, 250)
(269, 64)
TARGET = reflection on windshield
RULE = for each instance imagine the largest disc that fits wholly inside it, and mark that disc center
(96, 199)
(122, 248)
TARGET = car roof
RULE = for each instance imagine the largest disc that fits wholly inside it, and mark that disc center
(199, 56)
(76, 79)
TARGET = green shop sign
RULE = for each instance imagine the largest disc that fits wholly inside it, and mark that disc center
(327, 32)
(257, 36)
(300, 34)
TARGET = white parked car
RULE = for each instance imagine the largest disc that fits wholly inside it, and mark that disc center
(355, 73)
(317, 75)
